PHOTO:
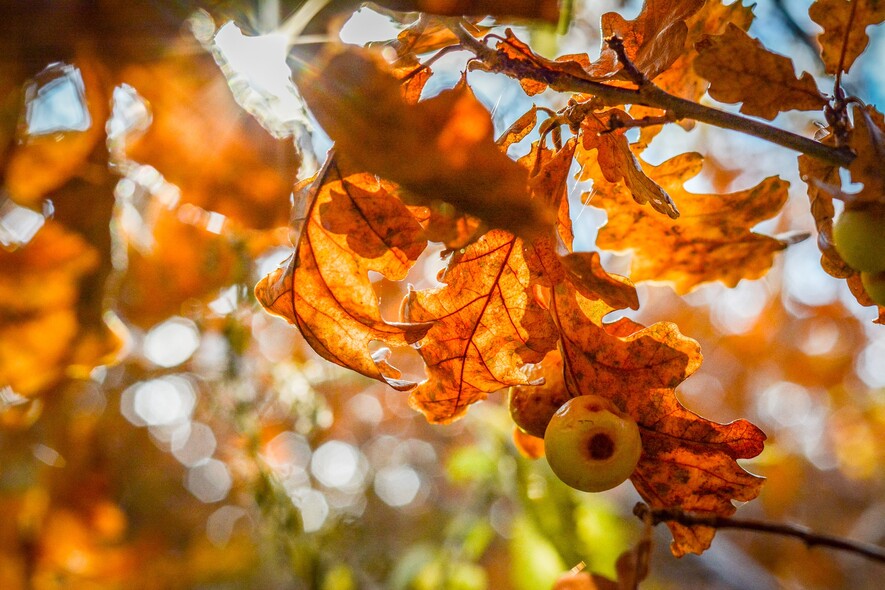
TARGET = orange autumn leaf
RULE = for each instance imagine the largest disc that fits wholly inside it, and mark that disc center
(353, 225)
(487, 324)
(202, 141)
(439, 149)
(741, 69)
(615, 162)
(46, 159)
(537, 9)
(868, 142)
(680, 77)
(187, 261)
(712, 239)
(652, 41)
(844, 22)
(39, 292)
(687, 462)
(519, 54)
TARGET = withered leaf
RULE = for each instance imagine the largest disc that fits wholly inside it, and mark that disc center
(487, 324)
(712, 239)
(844, 37)
(354, 225)
(687, 461)
(652, 41)
(614, 162)
(680, 77)
(440, 149)
(741, 69)
(519, 55)
(868, 142)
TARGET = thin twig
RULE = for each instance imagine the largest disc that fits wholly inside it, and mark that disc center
(659, 515)
(651, 96)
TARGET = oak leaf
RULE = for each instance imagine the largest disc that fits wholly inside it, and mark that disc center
(652, 41)
(441, 148)
(354, 225)
(687, 461)
(712, 239)
(868, 142)
(741, 69)
(844, 22)
(680, 78)
(615, 162)
(487, 324)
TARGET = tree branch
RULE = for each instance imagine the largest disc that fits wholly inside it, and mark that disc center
(651, 96)
(658, 515)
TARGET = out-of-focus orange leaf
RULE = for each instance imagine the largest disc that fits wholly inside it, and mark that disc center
(741, 69)
(687, 462)
(712, 239)
(441, 148)
(39, 292)
(183, 263)
(652, 41)
(45, 161)
(614, 162)
(537, 9)
(354, 224)
(202, 141)
(530, 446)
(487, 325)
(844, 37)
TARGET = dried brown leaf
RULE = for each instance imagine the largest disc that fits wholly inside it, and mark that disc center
(844, 37)
(687, 462)
(487, 324)
(354, 225)
(440, 149)
(741, 69)
(712, 239)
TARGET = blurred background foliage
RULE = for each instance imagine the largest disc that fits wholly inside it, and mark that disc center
(159, 430)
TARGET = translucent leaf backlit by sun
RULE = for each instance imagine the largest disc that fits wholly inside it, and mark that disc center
(487, 325)
(614, 161)
(440, 149)
(687, 461)
(354, 225)
(741, 69)
(652, 41)
(844, 22)
(712, 239)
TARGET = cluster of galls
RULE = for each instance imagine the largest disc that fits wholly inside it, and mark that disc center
(859, 237)
(589, 443)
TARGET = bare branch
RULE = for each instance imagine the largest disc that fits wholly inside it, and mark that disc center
(651, 96)
(658, 515)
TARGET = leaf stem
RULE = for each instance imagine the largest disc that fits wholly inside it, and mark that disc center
(651, 96)
(658, 515)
